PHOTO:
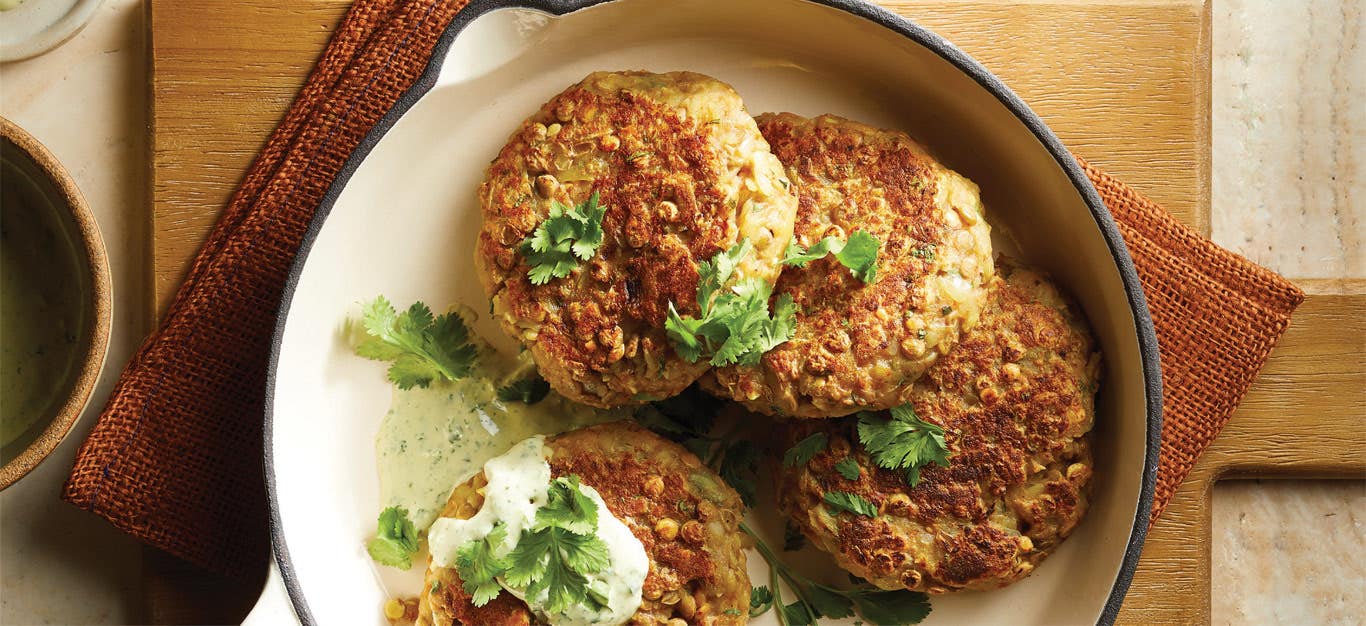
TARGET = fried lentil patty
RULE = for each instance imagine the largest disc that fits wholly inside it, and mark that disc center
(682, 512)
(1016, 399)
(861, 346)
(683, 173)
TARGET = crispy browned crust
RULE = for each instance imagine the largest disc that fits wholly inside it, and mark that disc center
(1016, 399)
(682, 512)
(659, 150)
(861, 346)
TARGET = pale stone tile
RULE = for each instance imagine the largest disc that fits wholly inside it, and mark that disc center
(1289, 133)
(1289, 552)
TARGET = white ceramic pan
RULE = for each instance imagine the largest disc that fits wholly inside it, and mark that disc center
(402, 218)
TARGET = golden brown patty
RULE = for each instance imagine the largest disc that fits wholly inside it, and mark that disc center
(860, 346)
(1016, 399)
(683, 173)
(681, 511)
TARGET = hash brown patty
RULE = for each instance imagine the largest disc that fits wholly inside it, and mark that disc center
(1016, 400)
(860, 346)
(683, 173)
(681, 511)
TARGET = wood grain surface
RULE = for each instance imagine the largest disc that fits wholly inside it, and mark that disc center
(1124, 83)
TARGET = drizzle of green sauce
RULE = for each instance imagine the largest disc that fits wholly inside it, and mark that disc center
(436, 438)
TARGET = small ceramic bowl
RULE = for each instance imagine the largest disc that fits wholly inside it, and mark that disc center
(29, 28)
(54, 303)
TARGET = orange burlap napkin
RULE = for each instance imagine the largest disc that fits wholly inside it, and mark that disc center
(175, 458)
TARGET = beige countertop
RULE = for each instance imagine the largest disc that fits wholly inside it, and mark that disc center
(1289, 159)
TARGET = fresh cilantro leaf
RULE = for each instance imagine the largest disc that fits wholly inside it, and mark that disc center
(732, 612)
(479, 566)
(860, 256)
(567, 507)
(554, 561)
(848, 468)
(793, 539)
(528, 390)
(567, 236)
(805, 450)
(554, 556)
(557, 553)
(851, 502)
(395, 541)
(420, 348)
(760, 601)
(828, 602)
(798, 614)
(739, 468)
(736, 325)
(891, 608)
(858, 253)
(903, 441)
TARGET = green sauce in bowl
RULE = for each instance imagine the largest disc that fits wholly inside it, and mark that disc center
(43, 313)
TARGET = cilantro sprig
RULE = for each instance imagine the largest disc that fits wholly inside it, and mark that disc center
(419, 347)
(760, 599)
(858, 253)
(566, 237)
(815, 600)
(480, 566)
(736, 325)
(396, 541)
(850, 502)
(903, 441)
(848, 468)
(554, 556)
(803, 451)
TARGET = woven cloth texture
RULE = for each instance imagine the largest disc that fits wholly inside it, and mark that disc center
(175, 458)
(1217, 314)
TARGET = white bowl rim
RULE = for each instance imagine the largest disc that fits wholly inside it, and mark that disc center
(1146, 334)
(55, 34)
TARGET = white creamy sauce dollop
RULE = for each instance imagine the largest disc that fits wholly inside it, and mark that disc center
(517, 484)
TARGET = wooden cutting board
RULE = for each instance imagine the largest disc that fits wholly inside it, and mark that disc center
(1125, 83)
